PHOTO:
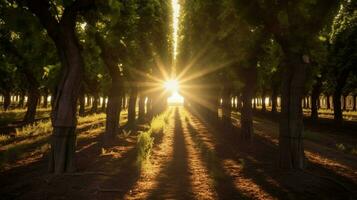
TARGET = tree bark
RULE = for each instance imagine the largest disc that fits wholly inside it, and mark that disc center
(22, 100)
(340, 83)
(291, 122)
(315, 94)
(7, 100)
(113, 110)
(116, 92)
(63, 141)
(328, 102)
(94, 108)
(132, 104)
(246, 119)
(344, 107)
(274, 102)
(33, 98)
(264, 108)
(141, 116)
(226, 106)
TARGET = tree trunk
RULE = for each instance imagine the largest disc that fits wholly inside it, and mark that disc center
(22, 100)
(88, 103)
(141, 116)
(337, 107)
(239, 103)
(104, 104)
(291, 122)
(7, 100)
(64, 121)
(315, 94)
(328, 102)
(132, 104)
(340, 83)
(246, 119)
(33, 98)
(354, 107)
(45, 99)
(344, 107)
(114, 106)
(94, 108)
(264, 108)
(274, 101)
(226, 106)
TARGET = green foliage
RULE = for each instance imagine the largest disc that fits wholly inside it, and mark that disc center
(145, 143)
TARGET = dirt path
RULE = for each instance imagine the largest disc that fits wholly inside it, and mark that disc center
(193, 159)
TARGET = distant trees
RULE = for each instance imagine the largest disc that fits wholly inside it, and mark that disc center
(102, 51)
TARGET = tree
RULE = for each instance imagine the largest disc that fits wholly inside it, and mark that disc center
(59, 21)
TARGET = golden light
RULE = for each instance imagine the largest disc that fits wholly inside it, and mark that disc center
(171, 85)
(175, 99)
(175, 25)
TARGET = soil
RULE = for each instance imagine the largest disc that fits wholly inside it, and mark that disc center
(193, 159)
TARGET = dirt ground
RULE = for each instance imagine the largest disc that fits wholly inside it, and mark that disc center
(192, 160)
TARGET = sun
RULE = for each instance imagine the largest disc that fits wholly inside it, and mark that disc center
(172, 86)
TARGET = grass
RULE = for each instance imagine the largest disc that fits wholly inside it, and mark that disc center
(146, 139)
(346, 148)
(311, 135)
(33, 138)
(14, 115)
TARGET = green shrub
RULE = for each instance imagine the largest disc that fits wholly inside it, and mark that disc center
(145, 142)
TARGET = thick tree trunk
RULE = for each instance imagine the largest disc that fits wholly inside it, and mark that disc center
(337, 107)
(141, 116)
(63, 141)
(315, 94)
(132, 104)
(274, 101)
(344, 107)
(246, 119)
(7, 100)
(340, 83)
(239, 103)
(328, 102)
(22, 100)
(33, 98)
(63, 148)
(114, 106)
(264, 108)
(291, 122)
(94, 108)
(226, 106)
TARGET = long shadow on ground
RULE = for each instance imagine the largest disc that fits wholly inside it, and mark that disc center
(174, 182)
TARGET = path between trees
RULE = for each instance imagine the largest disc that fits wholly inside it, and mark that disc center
(192, 160)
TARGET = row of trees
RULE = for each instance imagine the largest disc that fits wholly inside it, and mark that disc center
(111, 48)
(73, 48)
(269, 48)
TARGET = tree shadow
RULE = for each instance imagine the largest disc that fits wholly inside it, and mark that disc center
(173, 181)
(223, 183)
